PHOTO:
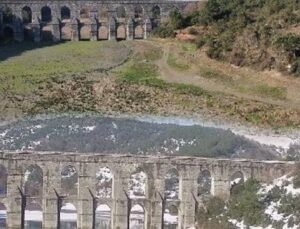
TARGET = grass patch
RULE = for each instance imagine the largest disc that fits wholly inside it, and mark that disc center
(212, 74)
(188, 89)
(274, 92)
(147, 74)
(174, 63)
(188, 47)
(24, 65)
(265, 90)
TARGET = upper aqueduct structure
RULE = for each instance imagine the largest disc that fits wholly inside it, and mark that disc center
(73, 190)
(82, 20)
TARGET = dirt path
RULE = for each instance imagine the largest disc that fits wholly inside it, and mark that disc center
(244, 76)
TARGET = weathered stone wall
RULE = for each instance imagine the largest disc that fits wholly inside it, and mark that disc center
(122, 166)
(76, 27)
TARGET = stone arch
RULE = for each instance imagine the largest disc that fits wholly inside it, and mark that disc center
(103, 33)
(26, 15)
(236, 181)
(3, 181)
(138, 32)
(33, 182)
(138, 11)
(84, 13)
(121, 32)
(137, 184)
(7, 15)
(137, 217)
(170, 219)
(85, 32)
(68, 216)
(33, 216)
(103, 13)
(46, 33)
(8, 34)
(46, 14)
(103, 216)
(156, 12)
(69, 181)
(204, 183)
(3, 216)
(172, 184)
(66, 32)
(104, 178)
(65, 13)
(121, 12)
(28, 33)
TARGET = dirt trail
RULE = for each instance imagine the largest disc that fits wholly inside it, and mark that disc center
(193, 76)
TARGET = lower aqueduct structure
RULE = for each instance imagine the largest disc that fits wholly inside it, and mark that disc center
(73, 190)
(82, 20)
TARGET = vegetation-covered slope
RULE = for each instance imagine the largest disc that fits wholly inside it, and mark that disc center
(260, 33)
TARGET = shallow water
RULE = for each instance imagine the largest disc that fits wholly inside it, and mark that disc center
(136, 135)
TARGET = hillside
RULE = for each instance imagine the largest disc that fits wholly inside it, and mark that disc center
(255, 206)
(263, 34)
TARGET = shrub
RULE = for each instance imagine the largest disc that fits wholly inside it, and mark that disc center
(296, 180)
(200, 42)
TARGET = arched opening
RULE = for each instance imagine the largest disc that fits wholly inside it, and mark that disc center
(172, 184)
(138, 32)
(65, 13)
(156, 12)
(33, 216)
(33, 182)
(137, 184)
(103, 217)
(7, 15)
(103, 33)
(46, 14)
(103, 14)
(28, 33)
(3, 215)
(121, 12)
(46, 33)
(236, 182)
(204, 183)
(8, 34)
(137, 217)
(26, 15)
(3, 181)
(121, 32)
(104, 183)
(84, 13)
(171, 217)
(69, 181)
(68, 216)
(138, 11)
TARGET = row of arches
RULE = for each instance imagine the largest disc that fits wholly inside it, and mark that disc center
(103, 217)
(65, 13)
(32, 183)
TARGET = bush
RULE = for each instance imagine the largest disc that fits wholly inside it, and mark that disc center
(200, 42)
(289, 42)
(164, 31)
(296, 180)
(192, 31)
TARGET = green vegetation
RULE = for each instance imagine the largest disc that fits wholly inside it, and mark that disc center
(38, 62)
(248, 203)
(235, 31)
(176, 63)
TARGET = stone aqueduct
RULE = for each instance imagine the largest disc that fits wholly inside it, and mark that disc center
(154, 201)
(82, 20)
